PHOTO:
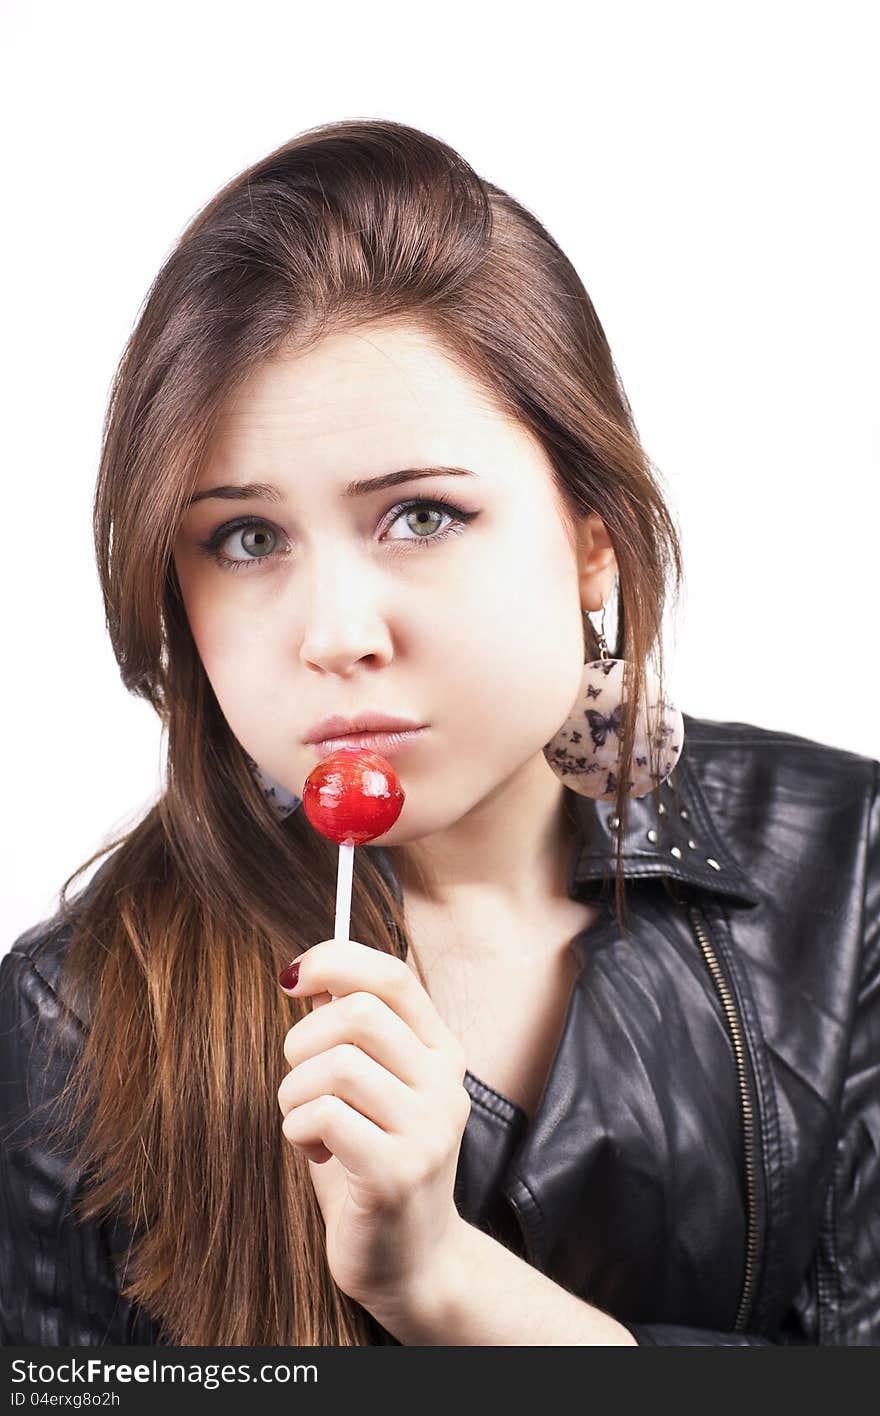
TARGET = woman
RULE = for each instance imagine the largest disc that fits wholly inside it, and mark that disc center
(509, 1109)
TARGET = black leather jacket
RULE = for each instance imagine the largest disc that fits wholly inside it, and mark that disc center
(704, 1164)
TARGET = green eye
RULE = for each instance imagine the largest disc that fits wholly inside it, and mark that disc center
(211, 547)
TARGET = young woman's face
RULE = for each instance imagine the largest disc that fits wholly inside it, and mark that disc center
(466, 618)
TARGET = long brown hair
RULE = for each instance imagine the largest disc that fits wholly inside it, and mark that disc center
(176, 943)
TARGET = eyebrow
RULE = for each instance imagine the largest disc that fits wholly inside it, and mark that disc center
(247, 490)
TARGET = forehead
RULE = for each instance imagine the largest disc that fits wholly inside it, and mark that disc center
(353, 391)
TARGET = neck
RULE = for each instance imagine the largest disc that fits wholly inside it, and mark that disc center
(510, 855)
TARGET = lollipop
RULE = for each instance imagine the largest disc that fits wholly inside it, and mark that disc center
(352, 796)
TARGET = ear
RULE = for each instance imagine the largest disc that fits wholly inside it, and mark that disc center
(597, 563)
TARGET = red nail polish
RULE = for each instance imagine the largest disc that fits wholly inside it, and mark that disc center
(288, 977)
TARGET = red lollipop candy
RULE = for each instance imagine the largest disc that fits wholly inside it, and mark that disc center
(352, 796)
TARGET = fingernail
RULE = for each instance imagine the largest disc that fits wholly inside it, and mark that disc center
(288, 977)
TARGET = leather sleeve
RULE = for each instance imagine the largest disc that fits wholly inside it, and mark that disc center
(58, 1285)
(840, 1305)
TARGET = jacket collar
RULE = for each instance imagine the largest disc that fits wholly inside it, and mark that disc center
(677, 837)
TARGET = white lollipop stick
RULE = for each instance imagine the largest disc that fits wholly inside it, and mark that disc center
(343, 894)
(343, 890)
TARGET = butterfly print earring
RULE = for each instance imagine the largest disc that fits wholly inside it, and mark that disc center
(585, 753)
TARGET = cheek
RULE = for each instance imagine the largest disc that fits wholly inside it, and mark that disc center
(210, 612)
(210, 629)
(216, 638)
(226, 645)
(516, 616)
(513, 669)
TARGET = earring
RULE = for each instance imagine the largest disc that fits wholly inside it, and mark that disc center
(584, 753)
(282, 801)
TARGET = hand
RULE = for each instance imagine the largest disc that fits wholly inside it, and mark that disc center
(375, 1100)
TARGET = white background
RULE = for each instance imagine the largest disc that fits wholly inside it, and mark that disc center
(708, 168)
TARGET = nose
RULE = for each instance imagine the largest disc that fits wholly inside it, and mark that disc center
(344, 624)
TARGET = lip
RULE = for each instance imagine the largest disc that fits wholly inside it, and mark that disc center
(366, 722)
(386, 744)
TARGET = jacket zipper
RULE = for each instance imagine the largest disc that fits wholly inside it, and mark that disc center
(748, 1118)
(824, 1263)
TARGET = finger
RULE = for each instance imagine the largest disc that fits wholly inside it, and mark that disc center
(356, 1079)
(358, 1144)
(343, 966)
(317, 1153)
(368, 1022)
